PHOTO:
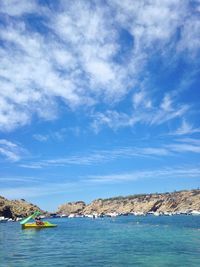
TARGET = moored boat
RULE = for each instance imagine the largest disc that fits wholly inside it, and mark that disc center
(3, 219)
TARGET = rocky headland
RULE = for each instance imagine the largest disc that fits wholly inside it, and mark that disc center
(162, 203)
(16, 208)
(181, 202)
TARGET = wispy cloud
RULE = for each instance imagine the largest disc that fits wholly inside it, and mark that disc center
(188, 140)
(86, 66)
(185, 129)
(165, 173)
(140, 99)
(41, 137)
(36, 191)
(58, 135)
(97, 157)
(179, 146)
(148, 114)
(55, 188)
(21, 180)
(184, 148)
(18, 8)
(11, 151)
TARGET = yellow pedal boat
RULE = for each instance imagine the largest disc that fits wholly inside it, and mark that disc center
(38, 226)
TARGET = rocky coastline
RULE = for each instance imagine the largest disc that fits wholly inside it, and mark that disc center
(180, 202)
(16, 209)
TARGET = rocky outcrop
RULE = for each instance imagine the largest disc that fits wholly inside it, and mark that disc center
(16, 208)
(182, 201)
(72, 208)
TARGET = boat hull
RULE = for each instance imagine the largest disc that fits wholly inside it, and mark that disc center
(38, 226)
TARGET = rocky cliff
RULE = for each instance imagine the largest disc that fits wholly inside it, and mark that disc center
(72, 208)
(182, 201)
(16, 208)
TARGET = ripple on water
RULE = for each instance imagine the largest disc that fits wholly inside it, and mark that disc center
(125, 241)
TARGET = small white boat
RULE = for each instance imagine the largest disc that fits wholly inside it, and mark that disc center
(3, 219)
(92, 216)
(63, 216)
(113, 214)
(72, 216)
(139, 213)
(157, 213)
(195, 212)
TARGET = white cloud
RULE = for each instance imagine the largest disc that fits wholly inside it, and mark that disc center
(184, 148)
(97, 157)
(57, 135)
(11, 151)
(140, 98)
(185, 129)
(17, 8)
(165, 173)
(112, 119)
(54, 188)
(151, 21)
(147, 114)
(100, 71)
(166, 104)
(190, 36)
(19, 180)
(192, 141)
(35, 190)
(162, 116)
(41, 137)
(172, 149)
(75, 57)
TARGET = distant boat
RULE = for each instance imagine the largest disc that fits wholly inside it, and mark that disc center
(3, 219)
(157, 213)
(195, 212)
(72, 215)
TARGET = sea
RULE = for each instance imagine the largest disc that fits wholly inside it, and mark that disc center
(104, 242)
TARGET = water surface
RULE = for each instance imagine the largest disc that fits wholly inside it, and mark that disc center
(122, 241)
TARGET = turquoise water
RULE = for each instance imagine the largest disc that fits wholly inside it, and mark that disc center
(123, 241)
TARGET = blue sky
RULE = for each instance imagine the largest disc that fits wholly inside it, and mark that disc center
(98, 98)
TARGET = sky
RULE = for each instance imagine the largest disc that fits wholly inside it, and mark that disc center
(98, 98)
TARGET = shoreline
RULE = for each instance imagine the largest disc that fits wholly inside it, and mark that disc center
(114, 215)
(185, 202)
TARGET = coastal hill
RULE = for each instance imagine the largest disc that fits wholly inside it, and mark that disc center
(181, 201)
(176, 202)
(16, 208)
(72, 208)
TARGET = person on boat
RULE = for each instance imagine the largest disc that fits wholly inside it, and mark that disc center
(38, 221)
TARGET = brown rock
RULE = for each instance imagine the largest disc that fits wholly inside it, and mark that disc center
(16, 208)
(72, 208)
(173, 202)
(182, 201)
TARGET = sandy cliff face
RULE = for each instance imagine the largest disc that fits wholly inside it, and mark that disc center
(16, 208)
(72, 208)
(183, 201)
(169, 202)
